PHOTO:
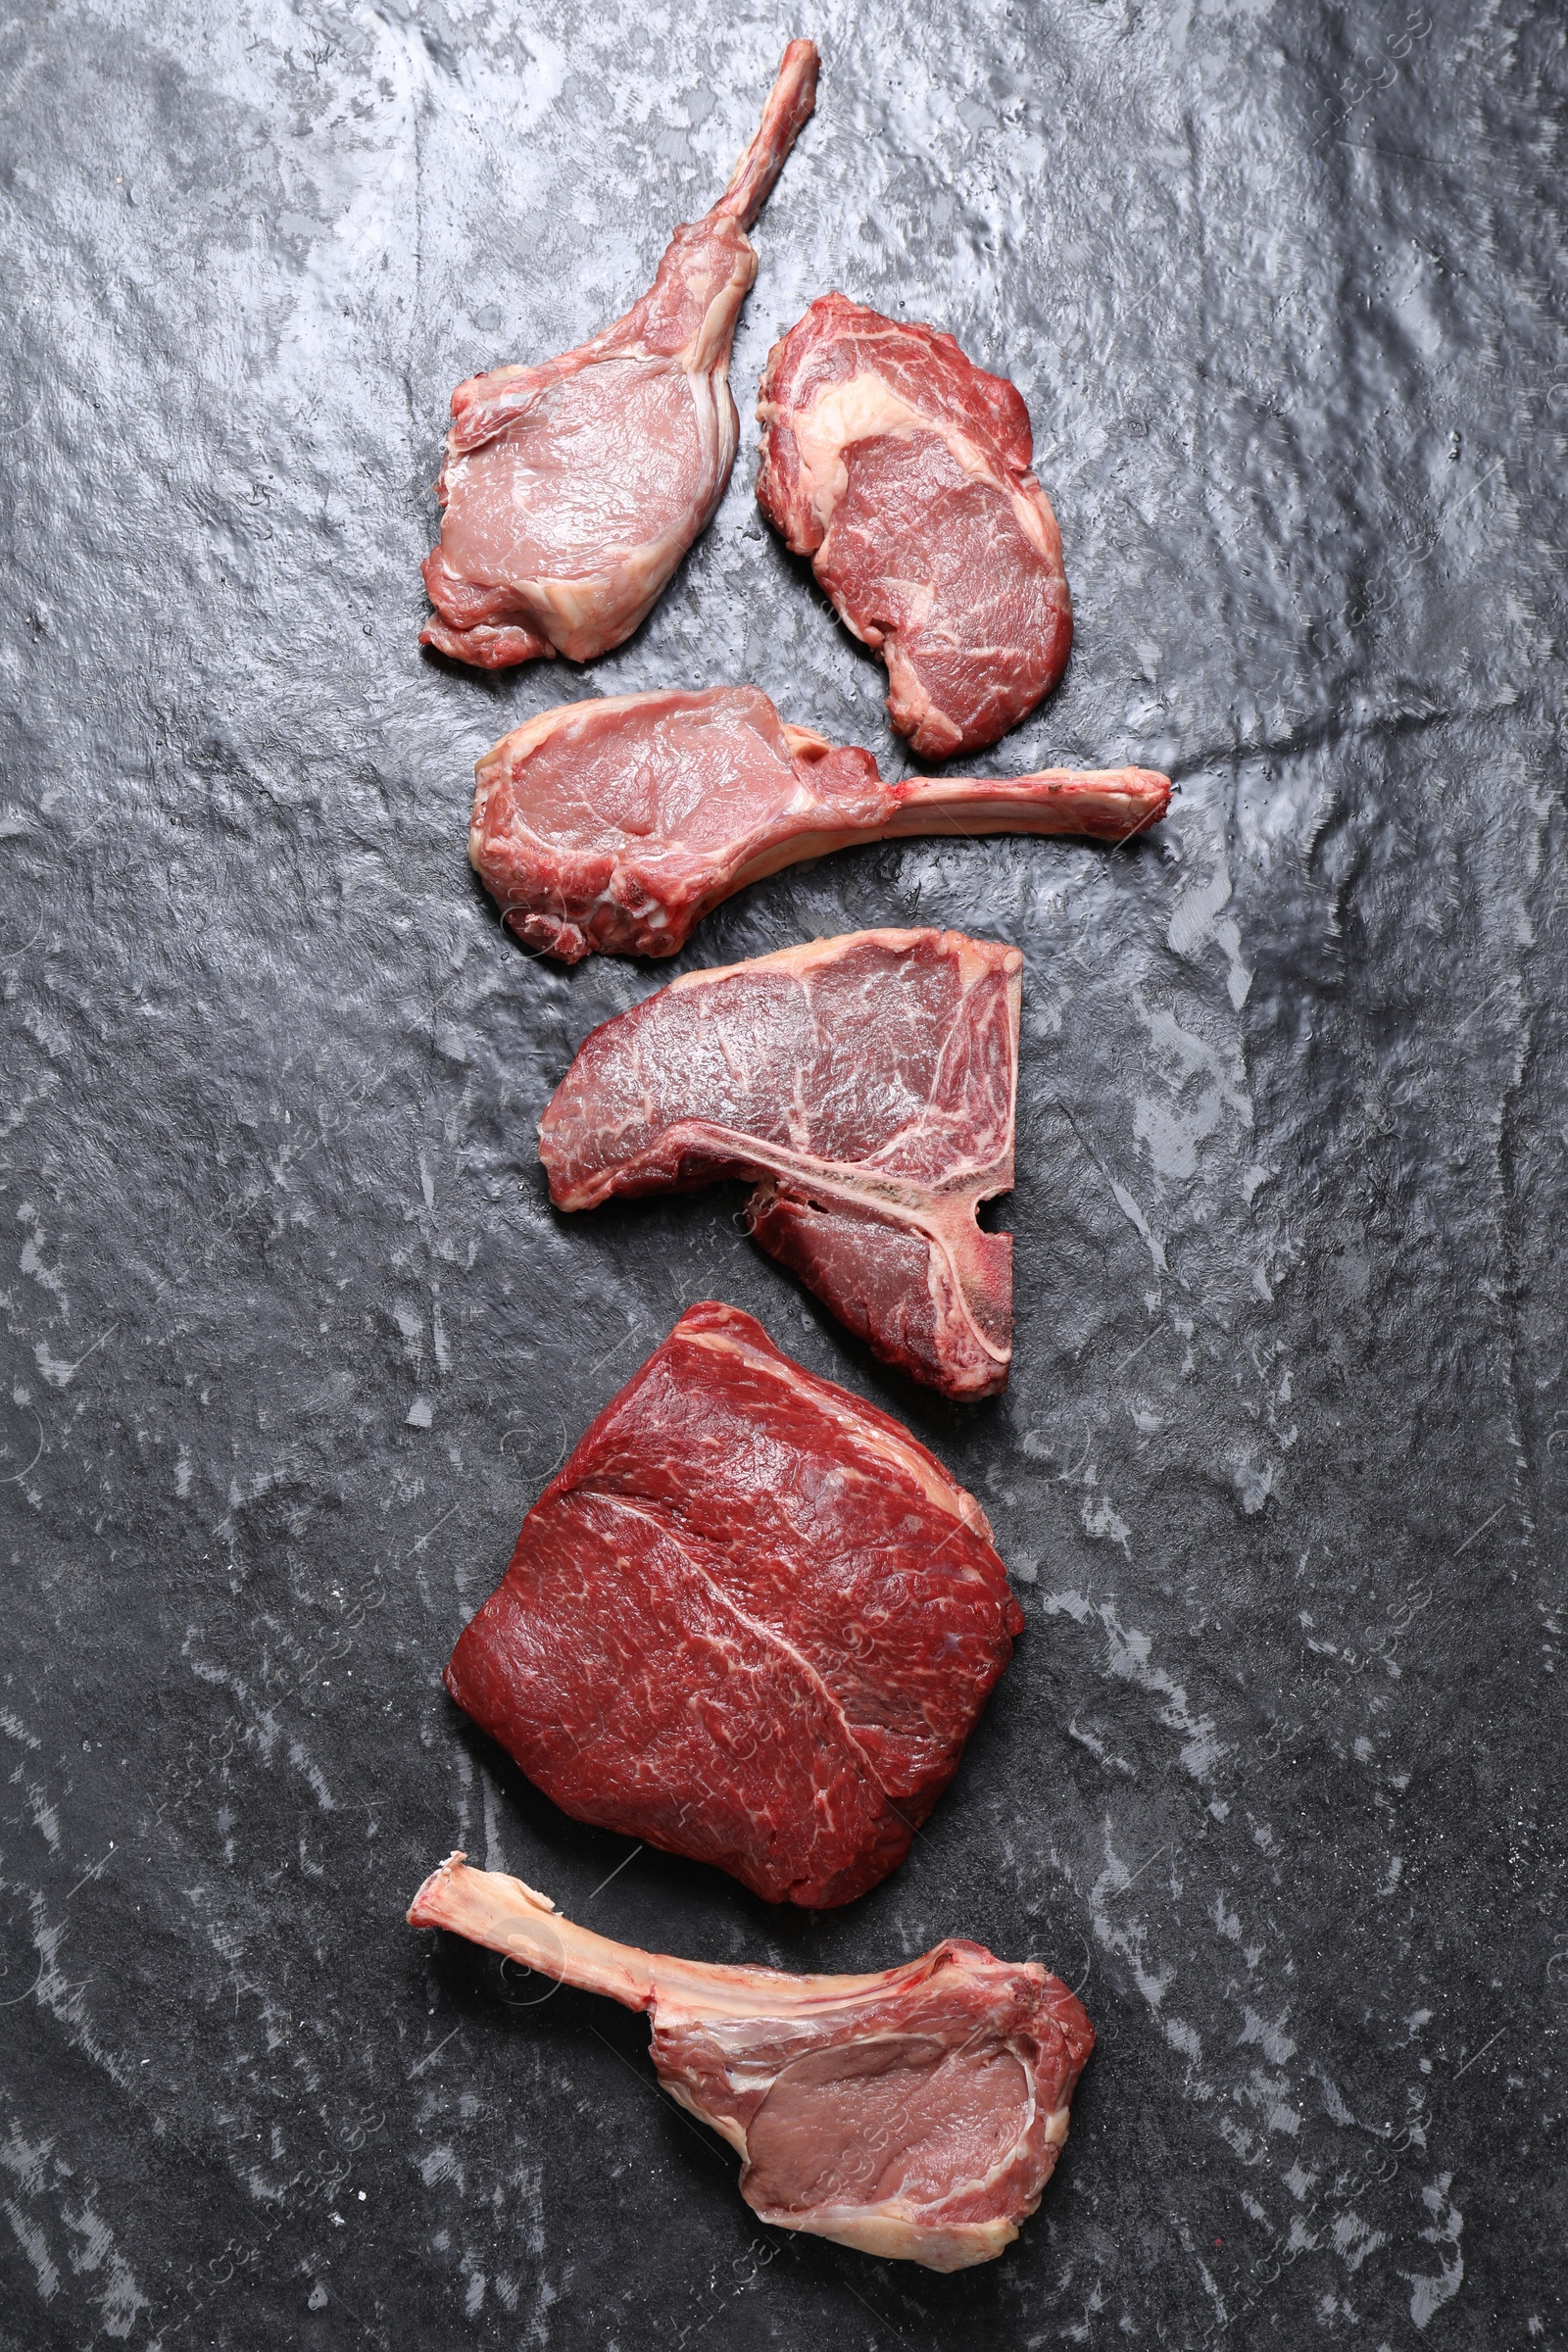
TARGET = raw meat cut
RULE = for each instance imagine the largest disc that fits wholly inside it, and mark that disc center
(868, 1083)
(570, 491)
(751, 1621)
(916, 2114)
(616, 824)
(904, 472)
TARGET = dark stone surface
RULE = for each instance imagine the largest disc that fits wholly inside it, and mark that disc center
(294, 1337)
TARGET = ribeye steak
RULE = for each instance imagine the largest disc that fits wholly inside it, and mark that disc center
(916, 2114)
(752, 1621)
(868, 1083)
(570, 491)
(904, 472)
(616, 824)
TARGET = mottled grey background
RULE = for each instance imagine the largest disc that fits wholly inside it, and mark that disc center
(293, 1337)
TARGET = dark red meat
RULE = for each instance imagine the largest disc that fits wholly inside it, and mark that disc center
(868, 1083)
(616, 824)
(904, 472)
(570, 491)
(916, 2114)
(752, 1621)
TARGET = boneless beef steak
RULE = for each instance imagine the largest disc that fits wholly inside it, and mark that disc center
(616, 824)
(570, 491)
(916, 2114)
(903, 470)
(868, 1084)
(752, 1621)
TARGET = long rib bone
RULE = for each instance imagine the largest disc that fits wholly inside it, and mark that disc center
(614, 825)
(915, 2113)
(571, 490)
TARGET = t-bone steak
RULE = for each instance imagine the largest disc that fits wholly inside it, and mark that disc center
(616, 824)
(868, 1084)
(916, 2114)
(903, 470)
(752, 1621)
(570, 491)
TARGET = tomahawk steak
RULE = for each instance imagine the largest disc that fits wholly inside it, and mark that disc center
(570, 491)
(616, 824)
(904, 472)
(916, 2114)
(752, 1621)
(868, 1083)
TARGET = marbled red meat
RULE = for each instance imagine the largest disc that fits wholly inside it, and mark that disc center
(614, 825)
(916, 2114)
(868, 1083)
(903, 470)
(752, 1621)
(570, 491)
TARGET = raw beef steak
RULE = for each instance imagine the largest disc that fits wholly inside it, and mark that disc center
(751, 1621)
(904, 472)
(868, 1083)
(616, 824)
(916, 2114)
(570, 491)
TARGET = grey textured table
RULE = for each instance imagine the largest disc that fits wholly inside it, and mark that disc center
(294, 1337)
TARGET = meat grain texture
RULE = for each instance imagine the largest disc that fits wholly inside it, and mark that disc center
(570, 491)
(262, 1027)
(614, 825)
(916, 2114)
(904, 472)
(752, 1621)
(867, 1084)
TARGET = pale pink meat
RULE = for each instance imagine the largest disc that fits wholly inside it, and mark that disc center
(571, 490)
(904, 473)
(614, 825)
(868, 1084)
(602, 457)
(916, 2114)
